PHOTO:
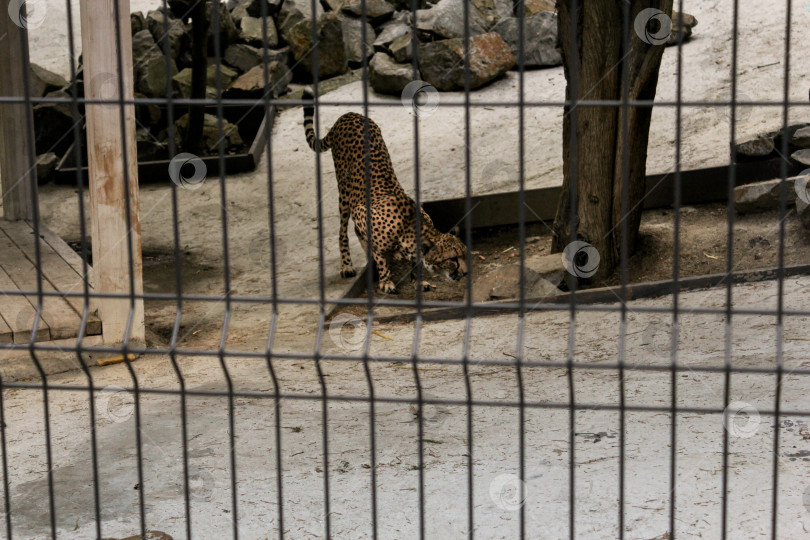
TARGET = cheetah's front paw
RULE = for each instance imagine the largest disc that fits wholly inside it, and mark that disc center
(388, 287)
(347, 272)
(426, 286)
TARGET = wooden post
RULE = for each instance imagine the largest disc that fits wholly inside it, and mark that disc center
(106, 141)
(15, 158)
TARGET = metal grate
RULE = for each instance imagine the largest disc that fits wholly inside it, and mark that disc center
(423, 429)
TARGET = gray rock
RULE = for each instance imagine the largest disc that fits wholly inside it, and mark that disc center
(53, 126)
(146, 114)
(46, 164)
(803, 209)
(137, 22)
(679, 33)
(254, 7)
(211, 133)
(183, 81)
(353, 39)
(177, 36)
(150, 74)
(250, 30)
(757, 147)
(802, 156)
(376, 10)
(442, 62)
(143, 44)
(44, 81)
(331, 50)
(402, 48)
(228, 32)
(251, 84)
(762, 196)
(294, 11)
(540, 38)
(242, 57)
(388, 77)
(390, 31)
(801, 138)
(239, 11)
(149, 148)
(507, 281)
(446, 20)
(543, 288)
(549, 267)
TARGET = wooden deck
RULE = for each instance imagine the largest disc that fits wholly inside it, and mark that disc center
(61, 270)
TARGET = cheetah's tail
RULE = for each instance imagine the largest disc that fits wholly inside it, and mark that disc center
(319, 145)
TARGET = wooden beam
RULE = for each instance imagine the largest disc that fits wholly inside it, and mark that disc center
(113, 172)
(16, 161)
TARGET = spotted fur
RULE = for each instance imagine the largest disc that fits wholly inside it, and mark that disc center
(393, 221)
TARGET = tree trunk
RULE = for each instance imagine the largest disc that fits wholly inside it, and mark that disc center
(597, 60)
(199, 66)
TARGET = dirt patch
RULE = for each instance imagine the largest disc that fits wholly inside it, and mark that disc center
(703, 244)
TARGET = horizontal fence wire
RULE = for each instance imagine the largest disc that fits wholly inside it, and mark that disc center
(455, 493)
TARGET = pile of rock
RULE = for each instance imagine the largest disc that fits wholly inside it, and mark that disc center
(765, 196)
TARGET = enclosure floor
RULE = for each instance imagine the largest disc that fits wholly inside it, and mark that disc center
(61, 271)
(494, 442)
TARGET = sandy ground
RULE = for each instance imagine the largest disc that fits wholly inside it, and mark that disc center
(493, 157)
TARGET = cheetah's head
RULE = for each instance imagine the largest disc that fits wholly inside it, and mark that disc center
(448, 256)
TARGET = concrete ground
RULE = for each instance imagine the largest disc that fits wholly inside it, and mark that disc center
(755, 341)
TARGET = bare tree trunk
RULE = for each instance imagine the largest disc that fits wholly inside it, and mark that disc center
(597, 59)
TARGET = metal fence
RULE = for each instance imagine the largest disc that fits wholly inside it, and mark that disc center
(483, 505)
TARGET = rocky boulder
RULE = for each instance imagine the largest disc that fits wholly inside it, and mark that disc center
(356, 50)
(53, 123)
(402, 48)
(137, 22)
(442, 62)
(540, 38)
(183, 81)
(228, 32)
(44, 81)
(758, 147)
(681, 33)
(801, 138)
(157, 22)
(252, 85)
(331, 51)
(242, 57)
(802, 156)
(251, 31)
(388, 77)
(211, 135)
(762, 196)
(293, 12)
(376, 10)
(46, 165)
(399, 25)
(446, 20)
(504, 284)
(803, 208)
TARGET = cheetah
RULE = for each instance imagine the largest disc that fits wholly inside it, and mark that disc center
(392, 210)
